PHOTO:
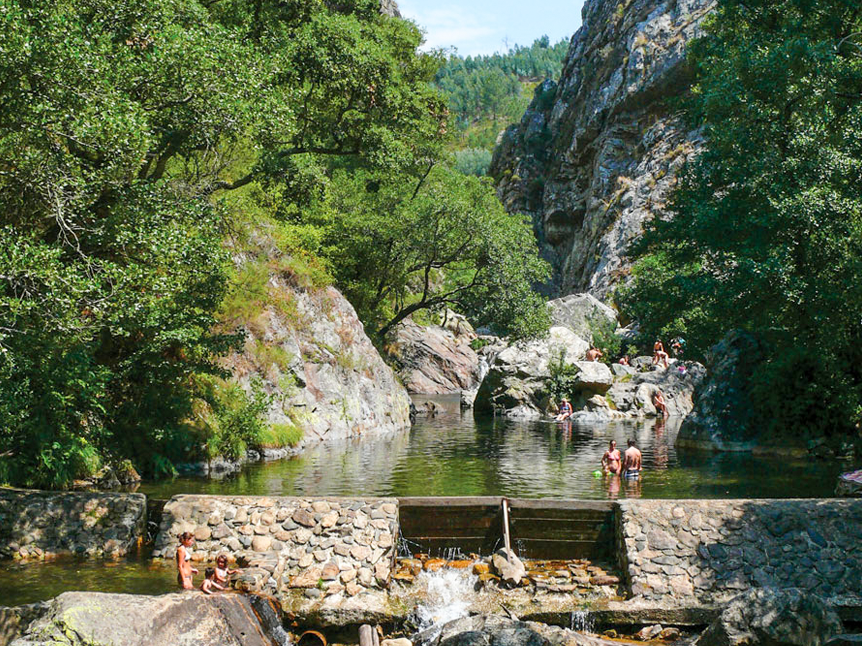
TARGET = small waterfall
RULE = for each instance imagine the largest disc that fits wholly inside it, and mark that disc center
(582, 621)
(448, 596)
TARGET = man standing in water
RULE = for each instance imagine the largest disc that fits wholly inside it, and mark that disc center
(632, 461)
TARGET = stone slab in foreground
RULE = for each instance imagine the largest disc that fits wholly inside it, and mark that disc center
(711, 550)
(40, 524)
(347, 543)
(183, 619)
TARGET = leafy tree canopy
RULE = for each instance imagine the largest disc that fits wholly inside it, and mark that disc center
(766, 232)
(398, 248)
(118, 121)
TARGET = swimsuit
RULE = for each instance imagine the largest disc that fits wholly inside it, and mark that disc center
(632, 473)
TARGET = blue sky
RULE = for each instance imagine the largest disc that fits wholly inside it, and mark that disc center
(483, 26)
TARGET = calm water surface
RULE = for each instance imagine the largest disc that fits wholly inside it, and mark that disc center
(454, 454)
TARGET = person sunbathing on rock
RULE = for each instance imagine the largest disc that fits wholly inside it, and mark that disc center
(222, 573)
(565, 411)
(659, 403)
(594, 354)
(611, 460)
(624, 361)
(659, 356)
(184, 557)
(209, 586)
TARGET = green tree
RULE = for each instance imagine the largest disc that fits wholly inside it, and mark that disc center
(398, 248)
(120, 121)
(766, 232)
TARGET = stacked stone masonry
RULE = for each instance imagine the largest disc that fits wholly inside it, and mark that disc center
(39, 524)
(710, 550)
(347, 545)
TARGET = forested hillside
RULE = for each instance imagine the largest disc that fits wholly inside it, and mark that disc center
(487, 93)
(163, 163)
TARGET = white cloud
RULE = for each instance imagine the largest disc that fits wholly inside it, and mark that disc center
(447, 26)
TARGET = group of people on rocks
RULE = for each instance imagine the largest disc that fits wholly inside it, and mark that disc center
(215, 578)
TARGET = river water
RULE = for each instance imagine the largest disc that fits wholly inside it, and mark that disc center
(453, 454)
(457, 454)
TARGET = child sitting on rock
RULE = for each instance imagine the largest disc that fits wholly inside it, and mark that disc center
(209, 586)
(222, 573)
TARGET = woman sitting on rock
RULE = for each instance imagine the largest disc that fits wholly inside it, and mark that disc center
(659, 403)
(565, 411)
(184, 557)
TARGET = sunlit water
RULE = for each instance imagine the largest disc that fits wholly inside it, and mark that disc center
(455, 454)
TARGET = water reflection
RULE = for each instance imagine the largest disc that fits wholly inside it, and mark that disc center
(454, 454)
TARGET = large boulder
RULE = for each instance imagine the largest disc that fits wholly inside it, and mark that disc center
(183, 619)
(773, 617)
(324, 373)
(632, 392)
(497, 630)
(516, 384)
(593, 377)
(722, 417)
(582, 313)
(850, 484)
(436, 359)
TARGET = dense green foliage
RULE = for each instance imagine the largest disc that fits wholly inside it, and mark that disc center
(486, 93)
(147, 145)
(442, 241)
(118, 123)
(766, 233)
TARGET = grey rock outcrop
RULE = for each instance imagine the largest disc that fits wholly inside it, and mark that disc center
(496, 630)
(389, 8)
(582, 313)
(99, 619)
(309, 350)
(436, 359)
(593, 377)
(773, 617)
(593, 158)
(516, 384)
(722, 415)
(632, 392)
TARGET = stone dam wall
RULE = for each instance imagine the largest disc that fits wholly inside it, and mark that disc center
(671, 553)
(284, 543)
(707, 551)
(38, 524)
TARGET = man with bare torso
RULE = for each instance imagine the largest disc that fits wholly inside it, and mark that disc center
(594, 354)
(632, 461)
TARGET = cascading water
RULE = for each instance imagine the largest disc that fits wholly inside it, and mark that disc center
(581, 621)
(448, 596)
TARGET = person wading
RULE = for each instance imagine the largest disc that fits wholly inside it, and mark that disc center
(632, 461)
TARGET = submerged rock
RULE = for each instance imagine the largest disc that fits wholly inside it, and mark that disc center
(773, 617)
(183, 619)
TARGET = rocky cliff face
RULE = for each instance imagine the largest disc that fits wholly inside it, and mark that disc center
(389, 8)
(593, 157)
(309, 350)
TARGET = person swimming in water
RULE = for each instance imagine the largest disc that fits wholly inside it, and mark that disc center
(611, 460)
(209, 585)
(565, 411)
(222, 572)
(632, 461)
(184, 566)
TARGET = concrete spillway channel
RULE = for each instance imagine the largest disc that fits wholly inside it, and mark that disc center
(539, 529)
